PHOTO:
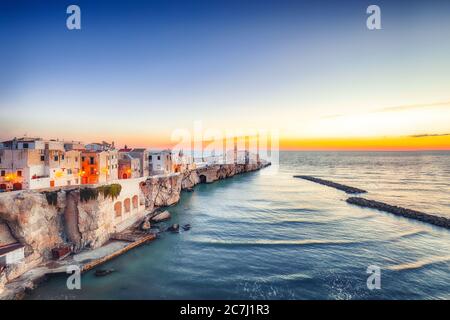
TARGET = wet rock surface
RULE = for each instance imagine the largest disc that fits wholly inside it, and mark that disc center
(342, 187)
(404, 212)
(165, 215)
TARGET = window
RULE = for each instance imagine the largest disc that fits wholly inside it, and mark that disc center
(19, 173)
(42, 158)
(149, 158)
(91, 160)
(56, 158)
(126, 204)
(3, 173)
(82, 159)
(118, 208)
(92, 170)
(25, 146)
(69, 171)
(76, 159)
(159, 157)
(62, 157)
(135, 202)
(0, 160)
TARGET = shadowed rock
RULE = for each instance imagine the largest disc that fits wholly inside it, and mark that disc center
(342, 187)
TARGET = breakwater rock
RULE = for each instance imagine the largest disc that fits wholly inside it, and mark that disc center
(408, 213)
(342, 187)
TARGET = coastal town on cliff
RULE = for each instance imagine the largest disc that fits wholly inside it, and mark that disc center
(64, 203)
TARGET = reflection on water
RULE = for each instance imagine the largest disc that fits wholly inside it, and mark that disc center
(276, 237)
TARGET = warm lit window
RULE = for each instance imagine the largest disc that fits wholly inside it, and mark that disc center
(19, 173)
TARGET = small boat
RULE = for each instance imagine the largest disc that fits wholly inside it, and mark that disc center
(103, 272)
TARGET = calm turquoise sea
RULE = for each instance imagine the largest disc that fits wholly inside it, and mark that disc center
(258, 236)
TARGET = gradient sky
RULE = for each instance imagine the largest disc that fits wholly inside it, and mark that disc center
(137, 70)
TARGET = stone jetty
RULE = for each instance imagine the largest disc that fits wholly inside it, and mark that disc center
(408, 213)
(342, 187)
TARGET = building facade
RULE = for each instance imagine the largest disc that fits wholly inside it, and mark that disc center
(129, 167)
(99, 166)
(33, 163)
(160, 162)
(144, 161)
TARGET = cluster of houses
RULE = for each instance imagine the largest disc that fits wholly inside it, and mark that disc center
(35, 163)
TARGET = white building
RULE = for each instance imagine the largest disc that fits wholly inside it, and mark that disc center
(144, 161)
(34, 163)
(160, 162)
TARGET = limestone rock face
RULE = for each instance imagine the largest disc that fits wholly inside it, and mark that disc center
(161, 191)
(32, 222)
(165, 215)
(95, 222)
(71, 213)
(189, 179)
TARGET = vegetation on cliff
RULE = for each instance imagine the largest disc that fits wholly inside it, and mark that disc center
(108, 191)
(112, 190)
(52, 197)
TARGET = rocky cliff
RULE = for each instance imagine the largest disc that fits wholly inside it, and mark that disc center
(42, 223)
(161, 191)
(34, 223)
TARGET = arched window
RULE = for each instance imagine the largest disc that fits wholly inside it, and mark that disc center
(118, 208)
(126, 204)
(135, 202)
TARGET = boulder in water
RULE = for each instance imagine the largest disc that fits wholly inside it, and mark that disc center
(103, 272)
(174, 228)
(165, 215)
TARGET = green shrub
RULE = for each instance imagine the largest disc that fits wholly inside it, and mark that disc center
(87, 194)
(112, 191)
